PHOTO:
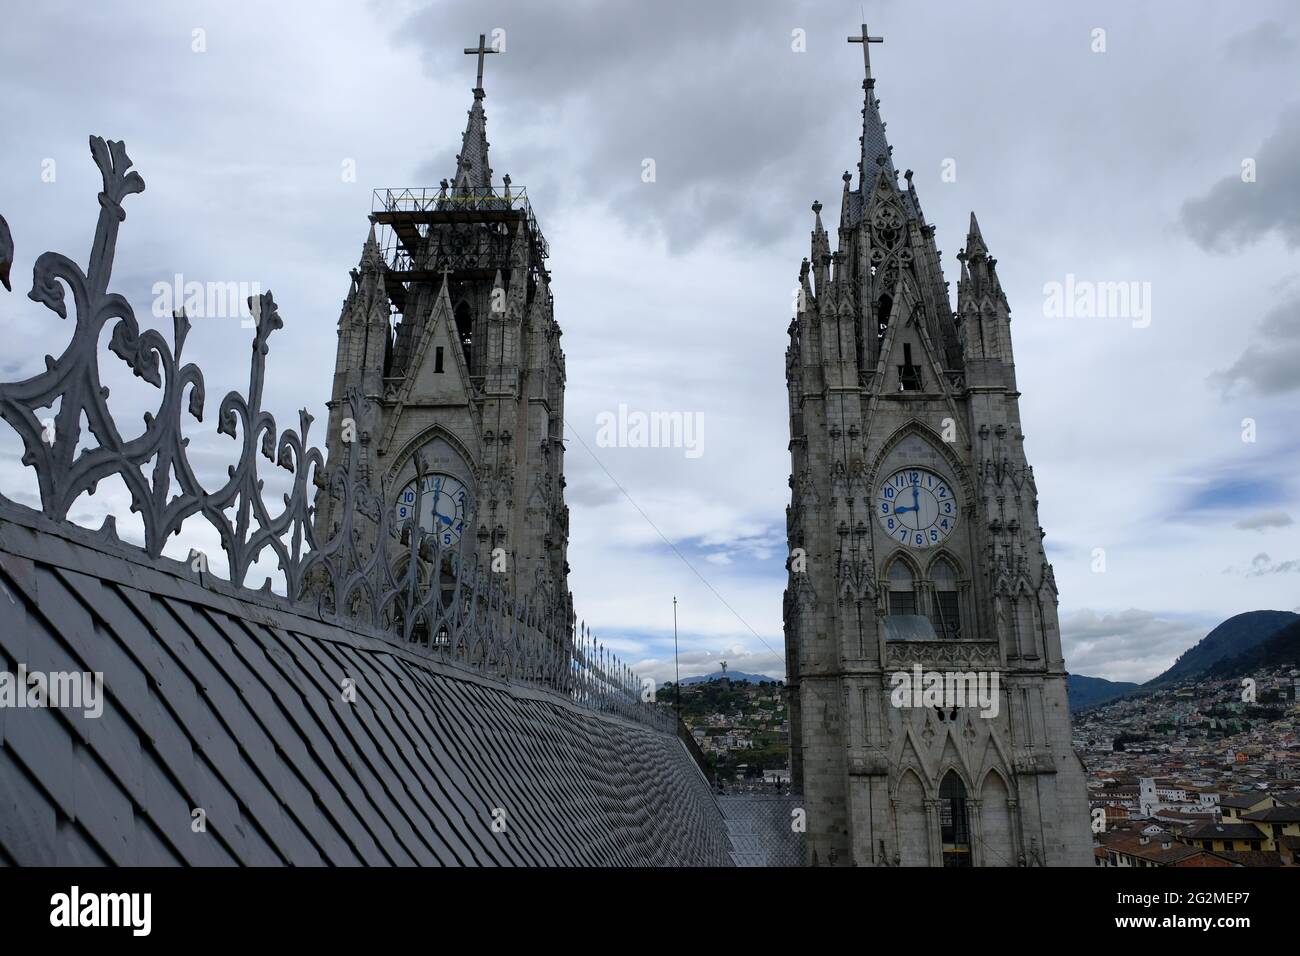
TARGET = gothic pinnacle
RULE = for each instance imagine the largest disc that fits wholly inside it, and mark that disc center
(821, 247)
(974, 240)
(371, 256)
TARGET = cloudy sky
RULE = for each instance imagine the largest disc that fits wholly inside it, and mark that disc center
(1171, 159)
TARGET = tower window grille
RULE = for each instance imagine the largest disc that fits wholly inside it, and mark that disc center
(954, 825)
(902, 590)
(945, 609)
(909, 375)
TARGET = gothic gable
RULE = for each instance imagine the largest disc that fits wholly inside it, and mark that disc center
(440, 375)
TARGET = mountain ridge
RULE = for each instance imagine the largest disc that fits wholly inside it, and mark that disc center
(1242, 643)
(1084, 692)
(1232, 638)
(732, 675)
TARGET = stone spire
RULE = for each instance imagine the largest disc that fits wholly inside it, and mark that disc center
(875, 148)
(472, 170)
(372, 258)
(985, 316)
(821, 250)
(876, 151)
(975, 245)
(979, 276)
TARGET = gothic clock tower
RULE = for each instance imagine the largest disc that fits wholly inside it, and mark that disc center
(917, 551)
(449, 333)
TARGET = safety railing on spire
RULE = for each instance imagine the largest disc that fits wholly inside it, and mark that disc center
(426, 204)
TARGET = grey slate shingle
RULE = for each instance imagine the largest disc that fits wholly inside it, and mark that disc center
(234, 706)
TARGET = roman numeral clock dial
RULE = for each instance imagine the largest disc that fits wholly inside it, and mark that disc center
(917, 508)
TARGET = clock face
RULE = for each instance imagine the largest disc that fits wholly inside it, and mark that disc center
(444, 507)
(916, 507)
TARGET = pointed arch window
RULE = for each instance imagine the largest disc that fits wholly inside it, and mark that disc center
(945, 600)
(954, 823)
(884, 306)
(902, 589)
(465, 331)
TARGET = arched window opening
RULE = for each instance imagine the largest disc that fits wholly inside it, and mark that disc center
(902, 590)
(905, 621)
(945, 603)
(465, 331)
(954, 825)
(884, 305)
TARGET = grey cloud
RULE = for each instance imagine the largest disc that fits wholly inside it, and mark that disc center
(1263, 42)
(1265, 520)
(586, 486)
(712, 92)
(1132, 645)
(1270, 366)
(1261, 564)
(1267, 371)
(1234, 214)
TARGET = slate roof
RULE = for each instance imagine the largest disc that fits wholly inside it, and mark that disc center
(1242, 801)
(1224, 831)
(1274, 815)
(230, 701)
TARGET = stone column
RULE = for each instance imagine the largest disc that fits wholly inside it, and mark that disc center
(973, 807)
(1017, 840)
(936, 833)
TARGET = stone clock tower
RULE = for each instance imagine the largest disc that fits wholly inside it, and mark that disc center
(448, 330)
(917, 551)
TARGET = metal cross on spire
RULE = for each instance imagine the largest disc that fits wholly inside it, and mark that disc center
(483, 49)
(866, 40)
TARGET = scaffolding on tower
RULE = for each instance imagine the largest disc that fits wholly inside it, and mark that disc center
(424, 232)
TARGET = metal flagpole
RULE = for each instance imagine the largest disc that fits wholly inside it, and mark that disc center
(676, 663)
